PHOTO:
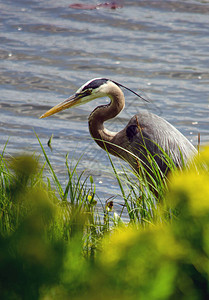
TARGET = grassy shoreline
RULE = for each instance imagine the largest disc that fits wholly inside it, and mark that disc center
(56, 245)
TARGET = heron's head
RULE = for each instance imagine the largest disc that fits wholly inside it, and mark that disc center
(95, 88)
(91, 90)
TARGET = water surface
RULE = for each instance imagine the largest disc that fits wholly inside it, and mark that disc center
(47, 50)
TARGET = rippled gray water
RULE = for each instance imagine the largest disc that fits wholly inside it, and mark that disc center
(47, 50)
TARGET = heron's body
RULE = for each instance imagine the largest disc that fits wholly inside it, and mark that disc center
(145, 134)
(143, 137)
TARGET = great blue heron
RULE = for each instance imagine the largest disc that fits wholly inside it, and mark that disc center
(145, 135)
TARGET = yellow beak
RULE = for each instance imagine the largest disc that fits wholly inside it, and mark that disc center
(70, 102)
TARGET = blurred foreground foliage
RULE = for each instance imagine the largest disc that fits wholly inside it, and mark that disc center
(54, 249)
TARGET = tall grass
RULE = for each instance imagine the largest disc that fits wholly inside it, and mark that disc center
(55, 244)
(144, 189)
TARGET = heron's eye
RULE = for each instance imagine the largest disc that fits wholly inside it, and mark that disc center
(87, 92)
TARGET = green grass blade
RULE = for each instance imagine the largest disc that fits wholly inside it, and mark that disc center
(54, 176)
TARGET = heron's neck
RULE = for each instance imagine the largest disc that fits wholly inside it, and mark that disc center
(103, 113)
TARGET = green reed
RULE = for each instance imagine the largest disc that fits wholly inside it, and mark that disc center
(56, 243)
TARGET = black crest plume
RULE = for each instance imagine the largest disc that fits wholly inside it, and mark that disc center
(129, 90)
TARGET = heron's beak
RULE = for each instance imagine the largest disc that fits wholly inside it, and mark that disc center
(74, 100)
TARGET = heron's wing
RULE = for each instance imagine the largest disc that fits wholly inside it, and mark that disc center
(148, 131)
